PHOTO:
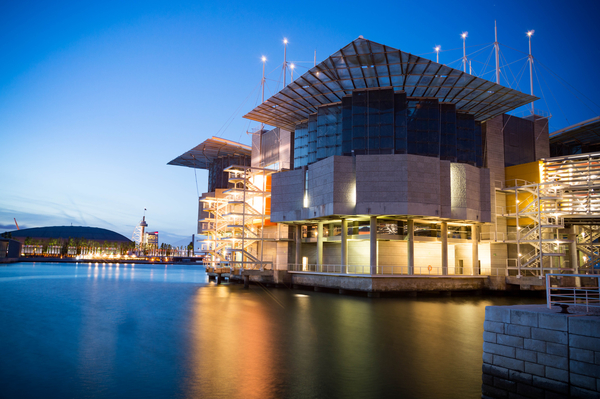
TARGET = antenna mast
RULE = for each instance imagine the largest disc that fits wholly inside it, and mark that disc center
(285, 42)
(530, 33)
(464, 37)
(497, 48)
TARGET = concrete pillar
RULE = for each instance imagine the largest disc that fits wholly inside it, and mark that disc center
(411, 246)
(475, 244)
(246, 281)
(445, 248)
(373, 241)
(319, 245)
(298, 247)
(218, 278)
(344, 245)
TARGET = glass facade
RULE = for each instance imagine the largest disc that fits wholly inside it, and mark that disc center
(381, 121)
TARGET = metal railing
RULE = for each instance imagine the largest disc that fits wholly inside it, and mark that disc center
(588, 297)
(427, 271)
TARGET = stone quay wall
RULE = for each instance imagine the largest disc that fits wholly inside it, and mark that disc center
(530, 351)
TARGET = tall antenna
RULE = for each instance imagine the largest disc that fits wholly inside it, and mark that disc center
(285, 42)
(530, 33)
(315, 58)
(464, 37)
(437, 53)
(262, 82)
(497, 48)
(292, 71)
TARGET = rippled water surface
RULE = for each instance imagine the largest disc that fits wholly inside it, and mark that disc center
(108, 331)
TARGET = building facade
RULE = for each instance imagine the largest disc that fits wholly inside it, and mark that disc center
(383, 163)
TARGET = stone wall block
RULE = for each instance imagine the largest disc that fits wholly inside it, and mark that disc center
(557, 374)
(524, 354)
(542, 334)
(507, 385)
(583, 355)
(590, 370)
(520, 377)
(487, 379)
(489, 337)
(584, 326)
(557, 349)
(488, 358)
(509, 363)
(493, 326)
(583, 342)
(529, 391)
(519, 331)
(553, 360)
(493, 392)
(583, 381)
(553, 322)
(577, 392)
(535, 345)
(524, 318)
(495, 349)
(535, 369)
(509, 340)
(496, 371)
(546, 383)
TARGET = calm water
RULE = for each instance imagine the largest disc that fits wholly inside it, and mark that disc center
(164, 331)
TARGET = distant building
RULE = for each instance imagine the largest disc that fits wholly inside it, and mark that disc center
(152, 239)
(383, 163)
(45, 234)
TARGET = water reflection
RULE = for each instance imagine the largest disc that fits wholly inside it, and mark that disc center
(123, 330)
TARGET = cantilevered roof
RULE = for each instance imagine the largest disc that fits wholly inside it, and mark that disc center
(583, 133)
(366, 64)
(200, 156)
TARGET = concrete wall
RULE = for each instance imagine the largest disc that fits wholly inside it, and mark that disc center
(542, 138)
(494, 147)
(331, 187)
(397, 185)
(401, 184)
(287, 195)
(470, 193)
(530, 351)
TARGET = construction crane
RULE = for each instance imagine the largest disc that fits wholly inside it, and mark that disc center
(15, 219)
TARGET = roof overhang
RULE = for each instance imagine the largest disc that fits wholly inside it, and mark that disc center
(365, 64)
(211, 149)
(586, 132)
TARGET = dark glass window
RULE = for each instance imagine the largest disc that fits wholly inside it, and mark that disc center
(312, 138)
(448, 132)
(465, 138)
(301, 144)
(423, 127)
(519, 141)
(400, 123)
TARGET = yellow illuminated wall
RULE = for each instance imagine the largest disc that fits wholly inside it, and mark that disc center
(529, 172)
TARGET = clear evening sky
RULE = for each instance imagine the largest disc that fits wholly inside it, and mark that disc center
(97, 97)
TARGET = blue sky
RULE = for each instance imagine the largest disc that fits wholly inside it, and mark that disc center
(96, 98)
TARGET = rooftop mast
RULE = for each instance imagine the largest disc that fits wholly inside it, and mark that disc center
(284, 59)
(437, 53)
(497, 48)
(464, 37)
(530, 33)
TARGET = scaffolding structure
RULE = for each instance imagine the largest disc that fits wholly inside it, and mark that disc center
(556, 222)
(235, 223)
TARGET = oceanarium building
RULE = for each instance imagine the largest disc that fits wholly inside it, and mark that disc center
(384, 165)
